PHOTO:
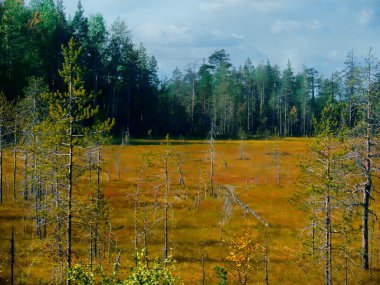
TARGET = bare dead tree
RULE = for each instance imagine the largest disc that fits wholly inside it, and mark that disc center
(266, 257)
(276, 158)
(370, 64)
(225, 216)
(203, 267)
(91, 249)
(15, 137)
(179, 164)
(1, 160)
(166, 207)
(212, 158)
(145, 237)
(242, 136)
(137, 201)
(230, 194)
(12, 252)
(26, 184)
(198, 199)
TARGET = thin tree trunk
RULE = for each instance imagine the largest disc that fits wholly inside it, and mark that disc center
(225, 114)
(91, 248)
(286, 116)
(109, 242)
(276, 155)
(114, 102)
(1, 162)
(262, 105)
(58, 221)
(313, 237)
(70, 184)
(32, 175)
(212, 157)
(167, 188)
(145, 232)
(198, 201)
(37, 195)
(192, 101)
(365, 242)
(203, 269)
(181, 180)
(12, 255)
(14, 166)
(45, 196)
(328, 266)
(26, 184)
(266, 258)
(241, 148)
(69, 204)
(89, 154)
(221, 230)
(137, 194)
(345, 257)
(248, 111)
(230, 192)
(327, 248)
(96, 242)
(368, 170)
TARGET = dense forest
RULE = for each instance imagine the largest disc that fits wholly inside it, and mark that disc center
(250, 99)
(69, 85)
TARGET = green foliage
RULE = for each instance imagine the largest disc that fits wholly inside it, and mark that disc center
(328, 125)
(325, 191)
(158, 273)
(73, 106)
(14, 42)
(221, 274)
(81, 275)
(259, 99)
(242, 134)
(5, 112)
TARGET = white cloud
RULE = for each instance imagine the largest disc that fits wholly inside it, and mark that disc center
(365, 17)
(239, 37)
(165, 33)
(215, 5)
(289, 26)
(336, 54)
(256, 5)
(216, 33)
(179, 32)
(268, 5)
(313, 25)
(210, 6)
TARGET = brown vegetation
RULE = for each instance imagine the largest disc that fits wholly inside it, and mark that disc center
(192, 234)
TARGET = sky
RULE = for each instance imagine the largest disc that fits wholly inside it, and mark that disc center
(309, 33)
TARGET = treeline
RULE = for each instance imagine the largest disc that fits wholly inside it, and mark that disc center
(247, 99)
(123, 76)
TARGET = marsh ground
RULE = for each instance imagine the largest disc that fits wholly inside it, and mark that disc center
(264, 179)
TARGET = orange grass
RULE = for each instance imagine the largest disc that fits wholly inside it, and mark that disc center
(192, 233)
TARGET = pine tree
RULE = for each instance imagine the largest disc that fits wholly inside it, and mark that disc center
(68, 113)
(328, 172)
